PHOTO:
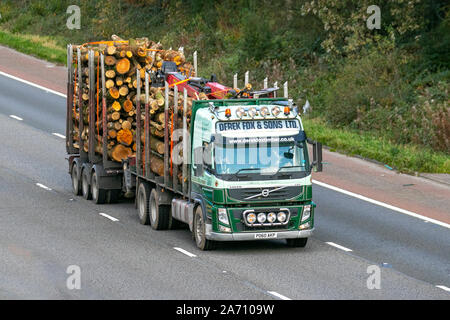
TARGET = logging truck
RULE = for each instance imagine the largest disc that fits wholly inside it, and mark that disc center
(233, 165)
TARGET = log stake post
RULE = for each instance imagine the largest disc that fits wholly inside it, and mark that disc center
(195, 64)
(246, 78)
(69, 120)
(174, 130)
(83, 155)
(146, 128)
(266, 81)
(166, 135)
(235, 81)
(285, 90)
(275, 85)
(138, 124)
(91, 151)
(185, 146)
(104, 114)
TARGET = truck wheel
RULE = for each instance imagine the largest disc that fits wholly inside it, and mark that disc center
(85, 187)
(98, 195)
(143, 203)
(76, 185)
(159, 214)
(112, 196)
(297, 243)
(200, 231)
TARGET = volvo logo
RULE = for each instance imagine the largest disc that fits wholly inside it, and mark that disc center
(265, 193)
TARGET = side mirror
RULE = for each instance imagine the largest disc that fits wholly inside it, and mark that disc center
(317, 155)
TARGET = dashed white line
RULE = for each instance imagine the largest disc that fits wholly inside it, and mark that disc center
(280, 296)
(59, 135)
(339, 246)
(33, 84)
(382, 204)
(40, 185)
(15, 117)
(108, 217)
(185, 252)
(443, 288)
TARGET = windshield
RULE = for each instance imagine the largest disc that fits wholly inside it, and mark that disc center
(261, 160)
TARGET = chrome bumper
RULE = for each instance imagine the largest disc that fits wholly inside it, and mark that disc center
(242, 236)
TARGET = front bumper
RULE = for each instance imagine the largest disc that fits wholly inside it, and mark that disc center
(242, 236)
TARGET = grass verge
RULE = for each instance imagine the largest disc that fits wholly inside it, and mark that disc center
(38, 46)
(404, 158)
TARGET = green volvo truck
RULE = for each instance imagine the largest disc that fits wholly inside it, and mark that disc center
(240, 171)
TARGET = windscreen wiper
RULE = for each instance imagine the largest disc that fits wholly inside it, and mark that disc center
(244, 175)
(286, 167)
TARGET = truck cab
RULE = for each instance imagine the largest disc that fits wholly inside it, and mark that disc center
(250, 171)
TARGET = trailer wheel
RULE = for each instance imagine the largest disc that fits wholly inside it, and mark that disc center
(200, 231)
(85, 187)
(76, 185)
(112, 196)
(98, 195)
(159, 214)
(142, 200)
(297, 243)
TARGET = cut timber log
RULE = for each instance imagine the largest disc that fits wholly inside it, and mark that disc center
(125, 136)
(120, 152)
(123, 66)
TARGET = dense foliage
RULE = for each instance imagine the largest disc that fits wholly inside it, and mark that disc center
(392, 82)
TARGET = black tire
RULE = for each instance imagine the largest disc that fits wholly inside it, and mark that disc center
(98, 195)
(159, 214)
(76, 185)
(143, 203)
(85, 186)
(297, 243)
(112, 196)
(200, 231)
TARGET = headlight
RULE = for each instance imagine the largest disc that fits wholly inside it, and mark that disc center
(271, 217)
(281, 216)
(262, 217)
(223, 216)
(252, 112)
(306, 212)
(240, 112)
(276, 111)
(264, 111)
(251, 218)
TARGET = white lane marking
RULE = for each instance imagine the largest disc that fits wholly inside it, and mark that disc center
(382, 204)
(15, 117)
(444, 288)
(185, 252)
(108, 216)
(59, 135)
(40, 185)
(33, 84)
(339, 246)
(276, 294)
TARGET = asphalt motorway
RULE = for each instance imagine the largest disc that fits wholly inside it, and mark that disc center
(44, 229)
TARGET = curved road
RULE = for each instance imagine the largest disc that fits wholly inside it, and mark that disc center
(44, 229)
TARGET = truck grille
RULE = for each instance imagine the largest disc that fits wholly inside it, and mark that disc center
(272, 193)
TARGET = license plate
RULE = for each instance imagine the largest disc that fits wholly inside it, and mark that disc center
(266, 235)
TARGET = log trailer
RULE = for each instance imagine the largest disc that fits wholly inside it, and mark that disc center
(240, 172)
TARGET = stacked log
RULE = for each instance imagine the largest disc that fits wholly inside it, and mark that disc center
(122, 59)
